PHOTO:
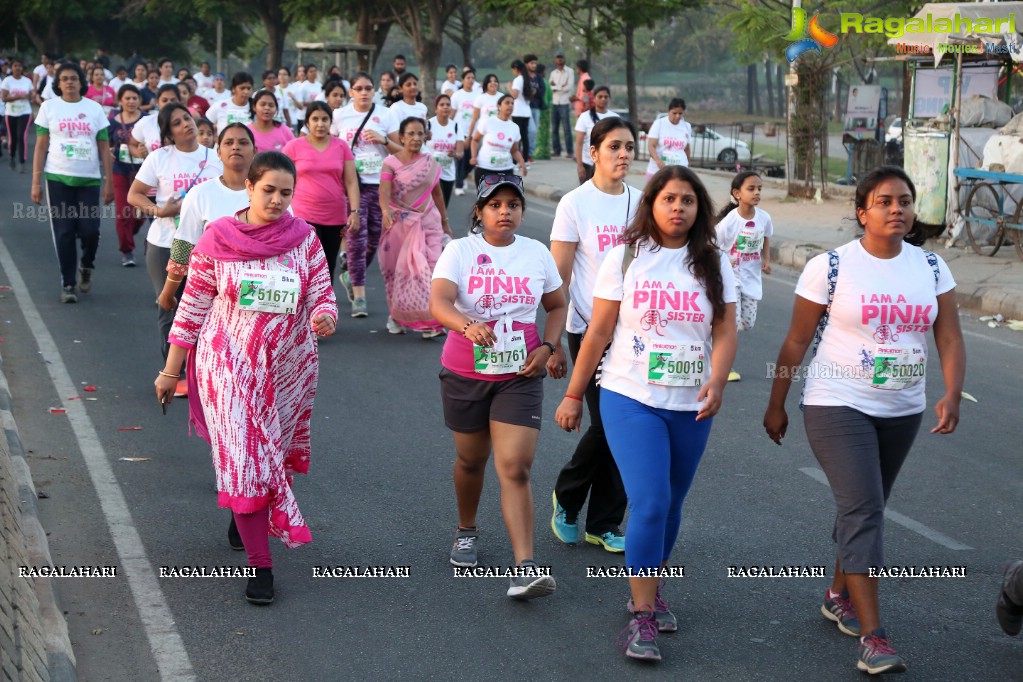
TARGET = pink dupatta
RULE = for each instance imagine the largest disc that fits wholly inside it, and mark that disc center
(410, 249)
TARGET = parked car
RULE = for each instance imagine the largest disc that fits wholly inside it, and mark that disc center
(894, 131)
(709, 145)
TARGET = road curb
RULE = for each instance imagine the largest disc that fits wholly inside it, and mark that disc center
(60, 657)
(544, 191)
(986, 299)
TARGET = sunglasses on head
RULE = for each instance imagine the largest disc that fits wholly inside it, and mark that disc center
(496, 179)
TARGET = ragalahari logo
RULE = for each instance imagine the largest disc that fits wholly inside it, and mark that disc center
(818, 36)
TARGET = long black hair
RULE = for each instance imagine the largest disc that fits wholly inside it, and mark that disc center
(258, 96)
(265, 162)
(737, 181)
(704, 256)
(917, 234)
(164, 120)
(527, 87)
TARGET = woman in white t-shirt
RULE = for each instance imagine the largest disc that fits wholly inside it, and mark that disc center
(496, 142)
(665, 301)
(409, 105)
(72, 155)
(171, 171)
(868, 307)
(487, 288)
(583, 125)
(16, 92)
(520, 90)
(236, 109)
(485, 104)
(589, 222)
(446, 144)
(668, 139)
(372, 134)
(462, 110)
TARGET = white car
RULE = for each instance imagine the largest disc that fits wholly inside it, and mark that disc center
(894, 131)
(708, 144)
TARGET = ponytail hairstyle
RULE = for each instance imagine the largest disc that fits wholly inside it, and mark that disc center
(704, 258)
(520, 67)
(593, 109)
(736, 186)
(917, 234)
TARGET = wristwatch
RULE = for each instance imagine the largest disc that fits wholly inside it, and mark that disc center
(549, 345)
(356, 211)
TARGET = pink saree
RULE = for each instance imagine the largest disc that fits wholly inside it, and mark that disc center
(410, 249)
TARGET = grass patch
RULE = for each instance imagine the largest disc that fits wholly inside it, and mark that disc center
(836, 167)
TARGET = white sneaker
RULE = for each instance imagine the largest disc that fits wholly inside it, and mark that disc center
(393, 327)
(459, 192)
(433, 333)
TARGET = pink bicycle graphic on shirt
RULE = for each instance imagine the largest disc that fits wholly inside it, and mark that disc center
(884, 334)
(486, 303)
(652, 320)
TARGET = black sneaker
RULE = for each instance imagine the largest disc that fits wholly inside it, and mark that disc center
(234, 538)
(260, 589)
(84, 280)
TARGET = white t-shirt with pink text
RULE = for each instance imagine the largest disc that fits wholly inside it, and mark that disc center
(672, 141)
(173, 172)
(873, 354)
(743, 241)
(594, 221)
(664, 324)
(443, 139)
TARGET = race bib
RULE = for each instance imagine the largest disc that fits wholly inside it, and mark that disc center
(750, 239)
(237, 118)
(498, 161)
(674, 158)
(444, 161)
(508, 357)
(898, 366)
(262, 291)
(368, 163)
(77, 150)
(124, 155)
(677, 364)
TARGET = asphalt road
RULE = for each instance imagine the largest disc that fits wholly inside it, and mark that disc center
(380, 493)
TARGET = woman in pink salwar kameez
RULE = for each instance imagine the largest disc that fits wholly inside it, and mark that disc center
(415, 231)
(257, 295)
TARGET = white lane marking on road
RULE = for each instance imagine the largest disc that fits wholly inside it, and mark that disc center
(166, 644)
(901, 519)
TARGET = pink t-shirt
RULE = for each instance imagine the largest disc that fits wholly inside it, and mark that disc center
(105, 97)
(320, 190)
(273, 141)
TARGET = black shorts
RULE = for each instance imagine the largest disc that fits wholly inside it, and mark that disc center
(471, 404)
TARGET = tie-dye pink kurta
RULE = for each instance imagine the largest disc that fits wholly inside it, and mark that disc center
(256, 376)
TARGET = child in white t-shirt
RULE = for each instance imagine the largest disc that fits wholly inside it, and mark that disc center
(744, 232)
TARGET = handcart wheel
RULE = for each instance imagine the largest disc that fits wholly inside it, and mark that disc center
(982, 208)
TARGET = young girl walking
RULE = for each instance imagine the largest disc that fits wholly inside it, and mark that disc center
(744, 232)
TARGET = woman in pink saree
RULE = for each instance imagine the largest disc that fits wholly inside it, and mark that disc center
(415, 231)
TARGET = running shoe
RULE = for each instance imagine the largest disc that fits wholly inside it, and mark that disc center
(464, 552)
(393, 327)
(459, 192)
(666, 620)
(1010, 614)
(127, 260)
(359, 309)
(346, 282)
(639, 638)
(877, 655)
(234, 538)
(181, 390)
(841, 611)
(734, 376)
(567, 532)
(343, 262)
(260, 590)
(68, 295)
(433, 333)
(84, 280)
(531, 586)
(612, 541)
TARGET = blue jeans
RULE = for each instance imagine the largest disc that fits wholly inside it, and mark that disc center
(534, 127)
(657, 452)
(561, 120)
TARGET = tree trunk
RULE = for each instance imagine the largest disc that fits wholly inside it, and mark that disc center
(370, 29)
(779, 82)
(48, 42)
(276, 32)
(769, 86)
(752, 96)
(630, 72)
(428, 57)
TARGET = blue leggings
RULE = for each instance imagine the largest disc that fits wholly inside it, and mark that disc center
(657, 452)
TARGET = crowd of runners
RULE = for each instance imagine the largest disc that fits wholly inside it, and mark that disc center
(261, 194)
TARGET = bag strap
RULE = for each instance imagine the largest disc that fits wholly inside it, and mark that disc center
(358, 131)
(630, 255)
(933, 260)
(823, 323)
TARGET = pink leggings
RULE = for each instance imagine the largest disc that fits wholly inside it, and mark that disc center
(255, 531)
